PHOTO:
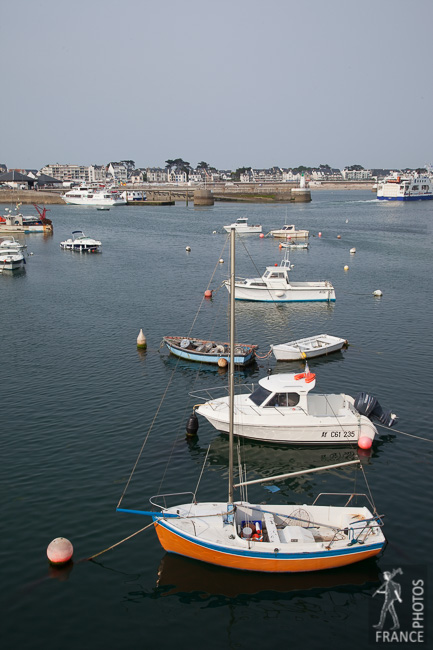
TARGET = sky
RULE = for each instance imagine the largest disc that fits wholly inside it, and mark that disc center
(232, 83)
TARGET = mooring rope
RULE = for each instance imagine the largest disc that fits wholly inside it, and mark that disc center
(92, 557)
(411, 435)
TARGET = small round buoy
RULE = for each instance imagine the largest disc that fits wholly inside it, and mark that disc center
(221, 261)
(192, 425)
(352, 250)
(276, 264)
(346, 268)
(261, 235)
(141, 341)
(208, 293)
(338, 236)
(280, 245)
(213, 232)
(320, 234)
(347, 220)
(188, 249)
(364, 442)
(222, 363)
(377, 293)
(60, 551)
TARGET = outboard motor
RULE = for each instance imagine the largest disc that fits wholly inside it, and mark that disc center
(368, 405)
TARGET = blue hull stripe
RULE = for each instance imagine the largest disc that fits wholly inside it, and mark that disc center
(353, 550)
(206, 358)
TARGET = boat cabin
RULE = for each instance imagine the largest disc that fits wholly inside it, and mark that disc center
(286, 390)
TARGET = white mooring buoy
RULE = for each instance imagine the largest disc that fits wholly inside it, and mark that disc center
(377, 293)
(141, 341)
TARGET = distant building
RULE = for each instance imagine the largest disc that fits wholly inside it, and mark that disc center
(156, 175)
(118, 172)
(137, 176)
(78, 173)
(97, 174)
(177, 176)
(356, 174)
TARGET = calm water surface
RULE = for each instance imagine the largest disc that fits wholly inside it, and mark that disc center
(79, 400)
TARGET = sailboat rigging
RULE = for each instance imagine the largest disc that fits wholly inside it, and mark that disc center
(265, 538)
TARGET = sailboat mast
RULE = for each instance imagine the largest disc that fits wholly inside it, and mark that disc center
(232, 360)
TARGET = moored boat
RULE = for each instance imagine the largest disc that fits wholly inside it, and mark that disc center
(19, 223)
(295, 245)
(307, 348)
(85, 195)
(81, 244)
(290, 232)
(242, 227)
(275, 286)
(11, 258)
(194, 349)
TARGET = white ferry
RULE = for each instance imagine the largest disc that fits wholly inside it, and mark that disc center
(405, 188)
(85, 195)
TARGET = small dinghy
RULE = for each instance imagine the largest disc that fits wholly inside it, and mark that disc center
(314, 346)
(209, 351)
(301, 245)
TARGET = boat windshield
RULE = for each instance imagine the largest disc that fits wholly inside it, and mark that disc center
(259, 395)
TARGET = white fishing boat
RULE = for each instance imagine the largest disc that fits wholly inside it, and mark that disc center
(81, 244)
(405, 187)
(85, 195)
(11, 258)
(281, 409)
(290, 232)
(241, 226)
(313, 346)
(275, 286)
(260, 537)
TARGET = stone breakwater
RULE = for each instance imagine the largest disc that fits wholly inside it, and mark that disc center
(30, 196)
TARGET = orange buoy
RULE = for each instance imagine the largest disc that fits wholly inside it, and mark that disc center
(208, 293)
(261, 235)
(280, 245)
(364, 442)
(222, 363)
(338, 236)
(320, 234)
(60, 550)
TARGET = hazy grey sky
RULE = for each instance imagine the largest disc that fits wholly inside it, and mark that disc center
(234, 82)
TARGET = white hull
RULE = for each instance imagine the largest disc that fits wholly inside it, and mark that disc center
(295, 292)
(308, 348)
(244, 230)
(284, 234)
(95, 202)
(288, 425)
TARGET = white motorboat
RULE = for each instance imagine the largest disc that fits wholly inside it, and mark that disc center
(85, 195)
(11, 242)
(290, 232)
(241, 226)
(275, 286)
(313, 346)
(407, 187)
(81, 244)
(282, 409)
(262, 537)
(11, 258)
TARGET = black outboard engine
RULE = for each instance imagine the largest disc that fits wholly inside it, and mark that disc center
(368, 405)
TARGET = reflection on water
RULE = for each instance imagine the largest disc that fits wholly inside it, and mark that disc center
(186, 578)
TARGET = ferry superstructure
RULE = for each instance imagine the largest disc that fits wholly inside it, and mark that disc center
(405, 188)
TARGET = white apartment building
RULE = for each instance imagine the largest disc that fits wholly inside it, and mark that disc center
(78, 173)
(97, 174)
(356, 174)
(156, 175)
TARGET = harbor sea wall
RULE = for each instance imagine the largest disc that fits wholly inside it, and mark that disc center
(31, 196)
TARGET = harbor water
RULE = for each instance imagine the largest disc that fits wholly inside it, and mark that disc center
(80, 404)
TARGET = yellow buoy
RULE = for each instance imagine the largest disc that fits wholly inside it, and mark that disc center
(346, 268)
(141, 341)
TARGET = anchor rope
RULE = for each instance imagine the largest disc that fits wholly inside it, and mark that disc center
(411, 435)
(92, 557)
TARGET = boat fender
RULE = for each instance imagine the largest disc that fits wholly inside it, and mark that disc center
(192, 425)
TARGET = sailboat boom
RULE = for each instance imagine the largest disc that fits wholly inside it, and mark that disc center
(304, 471)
